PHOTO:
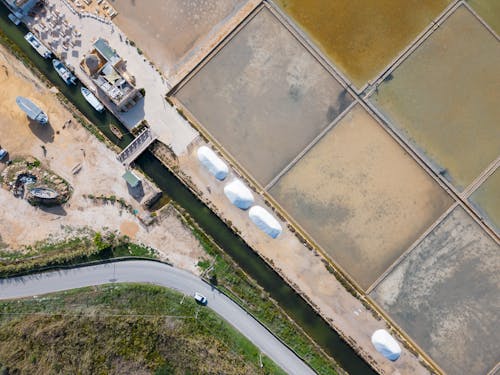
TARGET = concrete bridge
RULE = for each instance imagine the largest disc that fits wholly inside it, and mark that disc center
(137, 147)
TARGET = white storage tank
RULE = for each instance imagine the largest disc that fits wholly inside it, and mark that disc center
(386, 344)
(239, 195)
(265, 221)
(211, 162)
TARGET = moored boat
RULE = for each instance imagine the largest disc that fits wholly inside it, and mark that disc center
(116, 131)
(37, 45)
(91, 98)
(64, 72)
(32, 110)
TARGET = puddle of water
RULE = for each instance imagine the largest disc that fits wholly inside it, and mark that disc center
(487, 200)
(361, 196)
(264, 97)
(444, 98)
(360, 36)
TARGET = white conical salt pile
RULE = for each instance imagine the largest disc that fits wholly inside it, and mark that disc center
(386, 345)
(265, 221)
(211, 162)
(239, 194)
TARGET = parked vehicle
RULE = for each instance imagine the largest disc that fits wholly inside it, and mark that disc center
(200, 298)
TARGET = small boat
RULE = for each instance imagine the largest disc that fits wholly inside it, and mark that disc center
(32, 110)
(116, 131)
(64, 72)
(91, 98)
(15, 20)
(37, 45)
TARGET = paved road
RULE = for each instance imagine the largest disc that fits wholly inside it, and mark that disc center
(163, 275)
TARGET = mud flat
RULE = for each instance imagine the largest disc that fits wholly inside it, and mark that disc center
(362, 37)
(489, 10)
(361, 197)
(264, 97)
(444, 98)
(175, 28)
(487, 200)
(445, 295)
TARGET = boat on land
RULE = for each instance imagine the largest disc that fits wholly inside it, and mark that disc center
(68, 77)
(32, 110)
(91, 98)
(37, 45)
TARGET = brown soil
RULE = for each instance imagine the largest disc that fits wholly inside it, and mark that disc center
(66, 145)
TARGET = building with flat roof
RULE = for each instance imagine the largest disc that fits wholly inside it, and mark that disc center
(106, 69)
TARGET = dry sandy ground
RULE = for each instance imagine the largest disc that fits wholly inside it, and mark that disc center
(22, 224)
(303, 269)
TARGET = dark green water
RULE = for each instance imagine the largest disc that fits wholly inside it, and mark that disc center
(253, 265)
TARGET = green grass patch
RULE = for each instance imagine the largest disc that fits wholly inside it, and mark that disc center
(76, 250)
(125, 328)
(230, 278)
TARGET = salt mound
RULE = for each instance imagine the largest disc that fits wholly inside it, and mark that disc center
(265, 221)
(239, 194)
(386, 345)
(212, 162)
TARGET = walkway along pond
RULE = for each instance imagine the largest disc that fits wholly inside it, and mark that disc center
(294, 305)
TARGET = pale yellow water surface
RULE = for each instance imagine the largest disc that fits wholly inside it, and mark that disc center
(363, 36)
(445, 98)
(361, 196)
(487, 199)
(489, 10)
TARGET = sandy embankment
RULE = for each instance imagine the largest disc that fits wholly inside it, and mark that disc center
(67, 145)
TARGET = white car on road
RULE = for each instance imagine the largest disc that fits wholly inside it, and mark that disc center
(200, 298)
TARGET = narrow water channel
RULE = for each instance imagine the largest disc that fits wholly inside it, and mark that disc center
(296, 307)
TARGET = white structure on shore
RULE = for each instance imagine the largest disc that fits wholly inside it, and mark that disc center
(386, 345)
(265, 221)
(239, 195)
(212, 163)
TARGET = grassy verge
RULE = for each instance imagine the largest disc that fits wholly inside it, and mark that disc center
(229, 277)
(127, 328)
(71, 251)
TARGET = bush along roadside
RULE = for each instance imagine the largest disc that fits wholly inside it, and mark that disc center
(72, 251)
(221, 271)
